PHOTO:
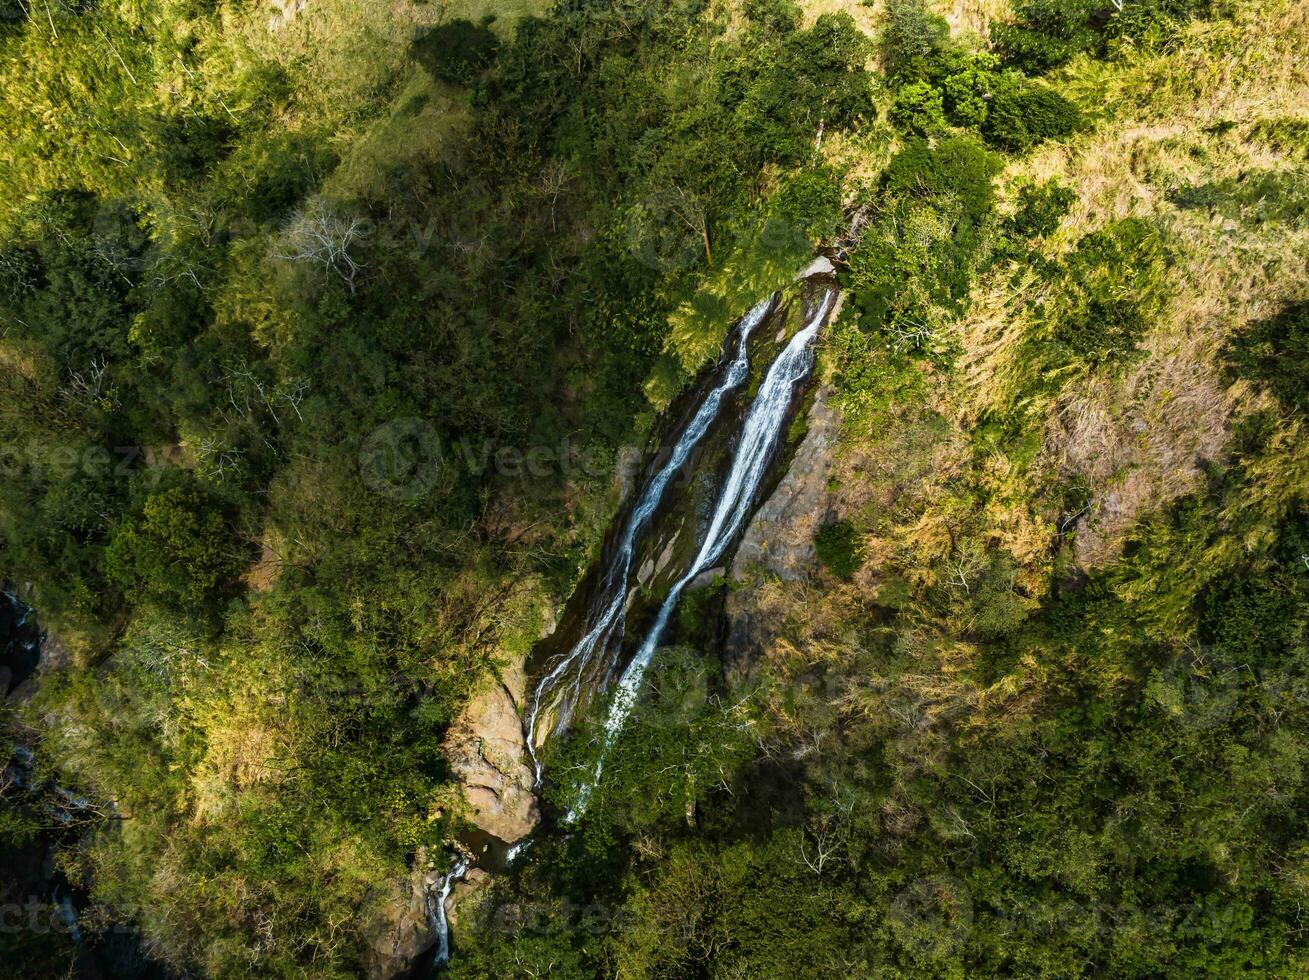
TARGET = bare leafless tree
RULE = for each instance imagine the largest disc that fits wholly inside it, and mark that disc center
(554, 178)
(320, 236)
(827, 832)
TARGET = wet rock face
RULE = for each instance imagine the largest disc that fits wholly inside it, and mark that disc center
(400, 930)
(486, 747)
(780, 538)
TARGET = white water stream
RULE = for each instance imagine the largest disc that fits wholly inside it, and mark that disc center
(436, 910)
(759, 439)
(607, 616)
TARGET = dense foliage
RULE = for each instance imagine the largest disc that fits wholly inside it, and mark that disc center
(285, 304)
(278, 301)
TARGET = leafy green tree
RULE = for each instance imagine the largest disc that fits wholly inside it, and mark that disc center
(918, 109)
(1047, 33)
(1114, 279)
(839, 548)
(968, 93)
(1022, 114)
(912, 38)
(179, 550)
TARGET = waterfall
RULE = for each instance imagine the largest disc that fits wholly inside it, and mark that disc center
(760, 436)
(607, 616)
(436, 910)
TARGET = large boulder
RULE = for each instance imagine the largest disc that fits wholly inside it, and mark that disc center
(487, 749)
(399, 928)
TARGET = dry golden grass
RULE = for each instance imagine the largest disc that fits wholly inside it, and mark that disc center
(239, 755)
(868, 17)
(972, 16)
(964, 16)
(1138, 439)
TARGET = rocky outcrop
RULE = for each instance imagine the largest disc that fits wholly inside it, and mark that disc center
(487, 750)
(400, 929)
(780, 538)
(467, 895)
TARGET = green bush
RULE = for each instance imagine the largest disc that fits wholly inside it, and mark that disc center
(1024, 113)
(1045, 34)
(918, 109)
(1113, 279)
(178, 550)
(1152, 23)
(840, 548)
(794, 84)
(958, 167)
(933, 204)
(781, 16)
(1250, 620)
(968, 93)
(1040, 208)
(912, 38)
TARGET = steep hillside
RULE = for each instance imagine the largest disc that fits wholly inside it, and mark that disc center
(338, 339)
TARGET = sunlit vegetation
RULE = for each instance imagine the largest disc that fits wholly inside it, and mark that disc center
(1040, 708)
(1041, 717)
(240, 250)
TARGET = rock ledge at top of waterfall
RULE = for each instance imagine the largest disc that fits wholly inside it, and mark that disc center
(821, 266)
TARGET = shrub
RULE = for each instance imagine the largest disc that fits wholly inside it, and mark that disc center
(918, 109)
(778, 16)
(806, 77)
(958, 167)
(934, 202)
(1250, 620)
(839, 548)
(1040, 208)
(177, 550)
(1152, 23)
(1023, 114)
(1113, 278)
(968, 93)
(1046, 34)
(912, 37)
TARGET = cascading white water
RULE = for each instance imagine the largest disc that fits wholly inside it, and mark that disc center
(760, 435)
(437, 914)
(759, 438)
(607, 617)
